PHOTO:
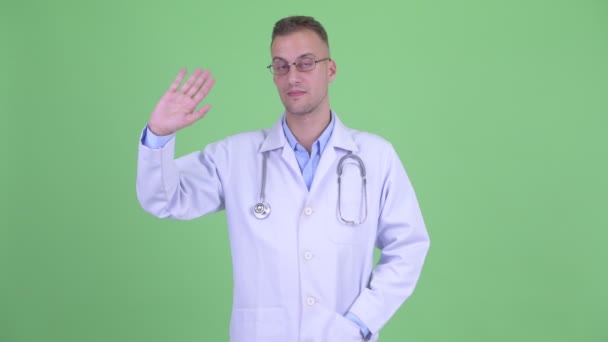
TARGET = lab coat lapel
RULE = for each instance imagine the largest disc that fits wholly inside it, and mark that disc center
(340, 140)
(275, 139)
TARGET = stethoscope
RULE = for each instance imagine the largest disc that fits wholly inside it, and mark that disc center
(261, 210)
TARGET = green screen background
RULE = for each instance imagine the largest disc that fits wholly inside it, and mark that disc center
(496, 108)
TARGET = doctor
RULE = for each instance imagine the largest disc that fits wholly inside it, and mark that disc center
(303, 221)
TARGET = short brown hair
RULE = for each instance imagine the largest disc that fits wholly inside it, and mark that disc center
(296, 23)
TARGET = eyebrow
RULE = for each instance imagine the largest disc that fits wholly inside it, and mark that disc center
(308, 54)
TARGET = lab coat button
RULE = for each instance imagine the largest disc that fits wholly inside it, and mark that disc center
(310, 301)
(308, 211)
(307, 255)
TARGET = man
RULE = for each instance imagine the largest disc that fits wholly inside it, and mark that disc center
(307, 201)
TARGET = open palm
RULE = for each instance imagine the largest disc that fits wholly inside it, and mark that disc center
(176, 109)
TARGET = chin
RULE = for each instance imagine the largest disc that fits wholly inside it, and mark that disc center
(299, 107)
(298, 110)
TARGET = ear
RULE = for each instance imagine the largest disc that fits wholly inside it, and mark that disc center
(331, 70)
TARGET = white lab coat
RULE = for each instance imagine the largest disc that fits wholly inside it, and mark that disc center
(297, 272)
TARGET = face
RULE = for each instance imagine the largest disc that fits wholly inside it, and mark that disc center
(303, 92)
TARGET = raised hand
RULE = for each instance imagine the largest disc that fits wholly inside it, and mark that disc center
(176, 108)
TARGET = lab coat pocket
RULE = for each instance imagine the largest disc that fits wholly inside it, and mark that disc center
(343, 330)
(348, 234)
(258, 325)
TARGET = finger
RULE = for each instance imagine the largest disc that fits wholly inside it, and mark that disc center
(197, 115)
(191, 80)
(178, 80)
(204, 90)
(198, 83)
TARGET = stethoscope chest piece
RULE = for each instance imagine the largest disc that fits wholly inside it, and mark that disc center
(261, 210)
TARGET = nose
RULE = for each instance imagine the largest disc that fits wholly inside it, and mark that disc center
(294, 75)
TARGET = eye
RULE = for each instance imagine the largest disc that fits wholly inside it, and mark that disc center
(307, 63)
(280, 66)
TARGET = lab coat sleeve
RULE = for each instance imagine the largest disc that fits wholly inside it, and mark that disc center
(403, 241)
(151, 140)
(183, 188)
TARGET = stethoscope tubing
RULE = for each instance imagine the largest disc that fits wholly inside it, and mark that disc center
(363, 173)
(261, 210)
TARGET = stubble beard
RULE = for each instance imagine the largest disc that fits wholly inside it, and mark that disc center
(303, 108)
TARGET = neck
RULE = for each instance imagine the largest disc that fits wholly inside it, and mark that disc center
(308, 128)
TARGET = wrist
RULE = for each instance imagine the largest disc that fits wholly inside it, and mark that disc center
(158, 131)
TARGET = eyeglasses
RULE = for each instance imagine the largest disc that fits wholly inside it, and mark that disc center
(281, 67)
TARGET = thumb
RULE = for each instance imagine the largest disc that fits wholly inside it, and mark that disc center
(197, 115)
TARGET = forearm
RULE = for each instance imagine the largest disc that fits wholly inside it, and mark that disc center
(166, 189)
(393, 280)
(403, 242)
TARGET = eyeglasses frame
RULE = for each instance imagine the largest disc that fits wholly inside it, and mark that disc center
(269, 67)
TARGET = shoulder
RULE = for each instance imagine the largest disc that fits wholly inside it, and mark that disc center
(362, 139)
(249, 137)
(239, 143)
(370, 142)
(377, 151)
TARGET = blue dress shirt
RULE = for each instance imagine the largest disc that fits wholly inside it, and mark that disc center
(308, 163)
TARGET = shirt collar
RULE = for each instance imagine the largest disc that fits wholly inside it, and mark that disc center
(341, 137)
(321, 141)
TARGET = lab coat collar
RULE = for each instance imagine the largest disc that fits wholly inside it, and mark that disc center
(340, 138)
